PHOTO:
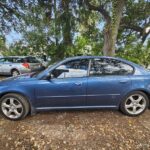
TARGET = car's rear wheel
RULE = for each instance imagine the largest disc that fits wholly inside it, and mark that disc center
(14, 106)
(135, 103)
(15, 73)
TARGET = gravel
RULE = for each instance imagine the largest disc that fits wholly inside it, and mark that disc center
(75, 130)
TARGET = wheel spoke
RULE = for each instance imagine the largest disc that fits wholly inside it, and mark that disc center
(134, 109)
(18, 106)
(16, 112)
(140, 105)
(139, 99)
(12, 101)
(131, 98)
(9, 112)
(129, 105)
(5, 105)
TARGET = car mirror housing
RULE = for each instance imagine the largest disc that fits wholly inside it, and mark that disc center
(47, 76)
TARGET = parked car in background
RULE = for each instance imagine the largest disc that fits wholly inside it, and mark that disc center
(88, 82)
(45, 60)
(16, 65)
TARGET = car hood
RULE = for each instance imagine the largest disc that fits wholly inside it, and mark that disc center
(21, 78)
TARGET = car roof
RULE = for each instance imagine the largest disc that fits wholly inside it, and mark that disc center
(16, 56)
(109, 57)
(92, 57)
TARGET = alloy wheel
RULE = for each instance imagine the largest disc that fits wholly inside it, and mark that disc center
(135, 104)
(12, 108)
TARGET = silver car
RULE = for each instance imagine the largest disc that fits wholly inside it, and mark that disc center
(15, 65)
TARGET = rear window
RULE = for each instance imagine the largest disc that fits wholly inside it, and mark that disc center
(20, 60)
(28, 60)
(32, 60)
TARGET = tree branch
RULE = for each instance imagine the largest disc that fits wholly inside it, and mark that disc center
(139, 29)
(100, 9)
(132, 27)
(145, 35)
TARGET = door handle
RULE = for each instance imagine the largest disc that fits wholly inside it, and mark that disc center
(123, 81)
(78, 83)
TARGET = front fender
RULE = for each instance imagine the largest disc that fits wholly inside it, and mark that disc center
(28, 93)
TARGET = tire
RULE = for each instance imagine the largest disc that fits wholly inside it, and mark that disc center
(14, 73)
(134, 103)
(14, 106)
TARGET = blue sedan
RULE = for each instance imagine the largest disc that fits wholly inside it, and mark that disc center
(86, 82)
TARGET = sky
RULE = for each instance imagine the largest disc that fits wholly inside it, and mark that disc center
(12, 37)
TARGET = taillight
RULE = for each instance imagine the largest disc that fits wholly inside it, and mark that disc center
(26, 65)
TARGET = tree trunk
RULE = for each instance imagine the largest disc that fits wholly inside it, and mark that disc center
(108, 44)
(112, 27)
(66, 26)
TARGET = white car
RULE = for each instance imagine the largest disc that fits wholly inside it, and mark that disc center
(15, 65)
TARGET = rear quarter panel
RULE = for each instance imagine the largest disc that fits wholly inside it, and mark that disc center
(20, 68)
(141, 83)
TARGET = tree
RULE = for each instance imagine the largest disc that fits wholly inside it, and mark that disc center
(2, 45)
(112, 22)
(135, 21)
(56, 25)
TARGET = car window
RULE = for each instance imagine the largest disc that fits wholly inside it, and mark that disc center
(105, 66)
(32, 60)
(2, 59)
(20, 60)
(14, 60)
(7, 60)
(71, 69)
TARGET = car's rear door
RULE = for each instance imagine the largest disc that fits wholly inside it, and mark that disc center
(108, 80)
(66, 88)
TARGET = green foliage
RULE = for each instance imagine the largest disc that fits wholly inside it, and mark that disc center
(3, 47)
(85, 46)
(136, 53)
(63, 28)
(18, 49)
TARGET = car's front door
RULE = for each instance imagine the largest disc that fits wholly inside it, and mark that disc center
(108, 80)
(67, 86)
(1, 65)
(7, 65)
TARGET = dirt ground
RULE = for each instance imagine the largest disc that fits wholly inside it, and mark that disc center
(73, 130)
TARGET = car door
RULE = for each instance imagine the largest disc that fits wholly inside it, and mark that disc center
(67, 86)
(108, 80)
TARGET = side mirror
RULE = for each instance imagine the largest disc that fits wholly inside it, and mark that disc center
(48, 76)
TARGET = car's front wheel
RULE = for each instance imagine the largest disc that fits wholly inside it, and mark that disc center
(135, 103)
(14, 106)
